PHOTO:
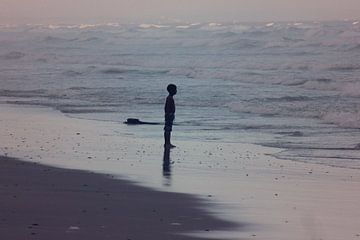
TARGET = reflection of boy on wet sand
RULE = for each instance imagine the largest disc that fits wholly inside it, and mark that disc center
(169, 115)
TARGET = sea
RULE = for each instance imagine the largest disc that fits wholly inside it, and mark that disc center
(288, 85)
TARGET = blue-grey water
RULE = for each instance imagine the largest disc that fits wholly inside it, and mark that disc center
(294, 86)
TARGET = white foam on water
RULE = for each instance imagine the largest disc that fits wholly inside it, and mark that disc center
(214, 24)
(51, 26)
(84, 26)
(183, 26)
(146, 25)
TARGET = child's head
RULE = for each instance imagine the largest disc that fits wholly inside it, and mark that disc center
(171, 88)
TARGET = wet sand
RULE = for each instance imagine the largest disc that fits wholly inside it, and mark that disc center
(42, 202)
(274, 199)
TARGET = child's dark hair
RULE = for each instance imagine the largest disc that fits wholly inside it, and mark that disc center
(171, 88)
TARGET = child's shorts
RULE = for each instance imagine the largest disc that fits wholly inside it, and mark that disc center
(169, 119)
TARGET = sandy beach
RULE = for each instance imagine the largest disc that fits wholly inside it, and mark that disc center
(42, 202)
(239, 191)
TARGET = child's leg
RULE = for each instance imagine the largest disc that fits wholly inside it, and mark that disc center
(169, 118)
(167, 135)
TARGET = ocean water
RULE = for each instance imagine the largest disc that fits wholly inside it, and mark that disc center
(293, 86)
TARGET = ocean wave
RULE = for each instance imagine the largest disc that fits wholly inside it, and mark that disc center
(318, 84)
(79, 88)
(252, 108)
(51, 39)
(344, 67)
(289, 99)
(54, 27)
(14, 55)
(354, 48)
(91, 39)
(226, 34)
(132, 71)
(240, 28)
(83, 26)
(324, 84)
(292, 133)
(72, 73)
(213, 27)
(343, 119)
(307, 108)
(244, 44)
(75, 26)
(156, 26)
(340, 157)
(351, 89)
(293, 40)
(116, 71)
(183, 26)
(345, 113)
(23, 93)
(296, 82)
(214, 24)
(188, 72)
(42, 60)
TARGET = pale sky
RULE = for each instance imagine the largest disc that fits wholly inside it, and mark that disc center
(93, 11)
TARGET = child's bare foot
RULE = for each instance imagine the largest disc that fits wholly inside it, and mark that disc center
(169, 145)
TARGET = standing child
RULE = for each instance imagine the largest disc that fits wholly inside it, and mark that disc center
(169, 115)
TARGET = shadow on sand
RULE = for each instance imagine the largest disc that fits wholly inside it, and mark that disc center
(54, 203)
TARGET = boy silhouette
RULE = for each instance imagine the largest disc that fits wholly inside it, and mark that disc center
(169, 115)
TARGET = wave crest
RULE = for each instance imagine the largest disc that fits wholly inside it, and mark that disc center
(14, 55)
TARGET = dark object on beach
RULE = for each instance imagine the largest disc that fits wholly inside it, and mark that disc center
(135, 121)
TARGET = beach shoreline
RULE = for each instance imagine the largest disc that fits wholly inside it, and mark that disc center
(275, 199)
